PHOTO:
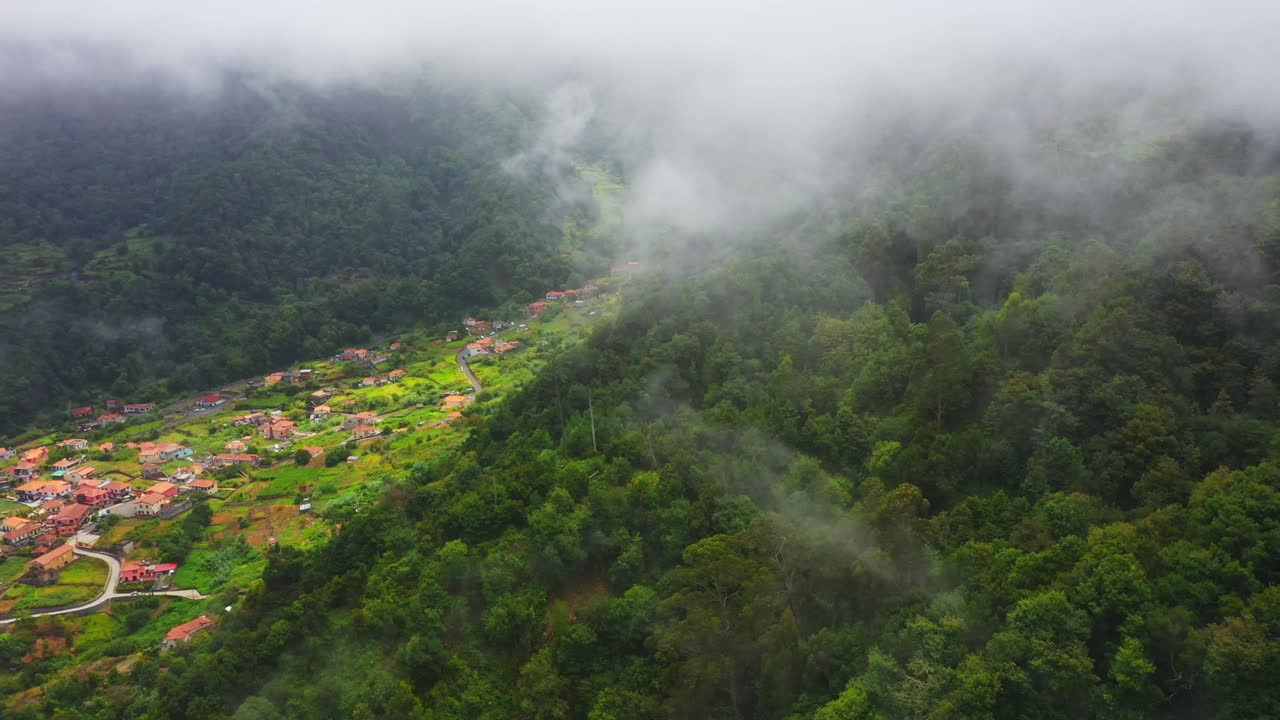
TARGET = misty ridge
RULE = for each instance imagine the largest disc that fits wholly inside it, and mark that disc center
(946, 384)
(723, 116)
(444, 135)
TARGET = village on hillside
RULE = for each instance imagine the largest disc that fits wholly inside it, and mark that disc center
(281, 458)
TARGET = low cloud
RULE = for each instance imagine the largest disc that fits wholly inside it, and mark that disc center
(723, 112)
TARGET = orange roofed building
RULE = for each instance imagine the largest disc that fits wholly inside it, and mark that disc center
(453, 402)
(187, 630)
(361, 432)
(279, 430)
(46, 567)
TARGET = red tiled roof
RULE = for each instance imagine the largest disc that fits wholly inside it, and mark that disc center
(21, 532)
(74, 511)
(11, 523)
(48, 558)
(189, 628)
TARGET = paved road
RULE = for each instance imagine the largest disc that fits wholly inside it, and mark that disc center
(466, 370)
(108, 592)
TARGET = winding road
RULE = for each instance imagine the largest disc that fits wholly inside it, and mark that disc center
(108, 592)
(466, 370)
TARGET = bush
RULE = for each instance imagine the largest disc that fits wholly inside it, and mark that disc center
(119, 647)
(136, 619)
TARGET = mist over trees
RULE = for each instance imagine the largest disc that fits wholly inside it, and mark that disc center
(160, 243)
(948, 450)
(949, 389)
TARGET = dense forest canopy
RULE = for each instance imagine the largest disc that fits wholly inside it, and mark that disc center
(163, 241)
(943, 451)
(948, 386)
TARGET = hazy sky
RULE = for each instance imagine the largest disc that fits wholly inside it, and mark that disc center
(769, 40)
(739, 102)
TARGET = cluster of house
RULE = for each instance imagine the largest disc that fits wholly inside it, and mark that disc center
(55, 518)
(63, 502)
(453, 404)
(44, 569)
(288, 376)
(483, 328)
(575, 295)
(392, 377)
(365, 355)
(133, 571)
(271, 426)
(153, 499)
(48, 565)
(489, 346)
(69, 469)
(64, 508)
(28, 465)
(475, 328)
(362, 425)
(115, 412)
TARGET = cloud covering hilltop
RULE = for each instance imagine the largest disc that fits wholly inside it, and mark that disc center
(748, 107)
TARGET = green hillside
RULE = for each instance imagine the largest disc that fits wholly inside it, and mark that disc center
(158, 243)
(948, 451)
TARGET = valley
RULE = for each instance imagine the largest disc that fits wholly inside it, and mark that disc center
(415, 398)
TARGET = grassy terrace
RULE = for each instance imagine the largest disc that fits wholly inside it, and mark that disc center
(255, 506)
(78, 582)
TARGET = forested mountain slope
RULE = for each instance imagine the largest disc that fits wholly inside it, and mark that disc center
(946, 453)
(156, 241)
